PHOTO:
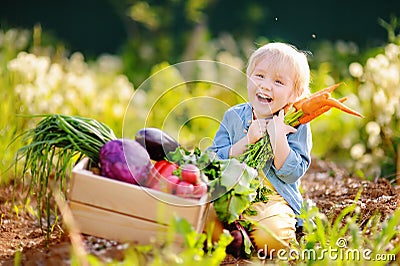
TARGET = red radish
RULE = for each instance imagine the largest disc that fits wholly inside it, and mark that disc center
(191, 174)
(200, 190)
(161, 169)
(172, 182)
(184, 189)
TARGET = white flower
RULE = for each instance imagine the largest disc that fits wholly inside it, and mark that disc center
(373, 128)
(367, 159)
(342, 47)
(77, 64)
(373, 141)
(139, 98)
(346, 143)
(378, 153)
(124, 88)
(357, 151)
(372, 65)
(380, 98)
(392, 51)
(109, 63)
(41, 65)
(229, 59)
(392, 76)
(382, 60)
(356, 69)
(57, 99)
(55, 75)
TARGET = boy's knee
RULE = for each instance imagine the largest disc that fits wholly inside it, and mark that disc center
(275, 229)
(273, 235)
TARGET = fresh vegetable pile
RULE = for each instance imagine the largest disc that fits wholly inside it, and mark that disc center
(301, 112)
(194, 174)
(181, 178)
(153, 159)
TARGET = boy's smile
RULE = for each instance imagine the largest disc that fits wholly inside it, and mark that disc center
(263, 98)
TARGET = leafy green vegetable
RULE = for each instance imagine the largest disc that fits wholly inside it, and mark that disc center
(207, 161)
(232, 185)
(240, 182)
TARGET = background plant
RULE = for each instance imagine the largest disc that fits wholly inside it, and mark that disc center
(372, 81)
(36, 80)
(347, 239)
(377, 151)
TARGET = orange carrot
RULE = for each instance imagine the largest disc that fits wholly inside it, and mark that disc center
(308, 117)
(314, 103)
(337, 104)
(287, 107)
(299, 103)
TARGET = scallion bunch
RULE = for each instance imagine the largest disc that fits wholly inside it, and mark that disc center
(51, 147)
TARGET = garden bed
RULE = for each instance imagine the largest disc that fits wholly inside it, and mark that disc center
(330, 187)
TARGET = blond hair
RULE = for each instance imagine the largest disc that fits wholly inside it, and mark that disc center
(283, 54)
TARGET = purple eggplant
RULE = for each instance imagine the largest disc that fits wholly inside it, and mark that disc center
(157, 142)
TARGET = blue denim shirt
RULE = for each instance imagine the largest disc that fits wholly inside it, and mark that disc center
(286, 181)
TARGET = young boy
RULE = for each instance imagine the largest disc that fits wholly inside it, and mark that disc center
(277, 75)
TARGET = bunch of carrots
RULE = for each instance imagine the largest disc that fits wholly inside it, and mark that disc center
(301, 112)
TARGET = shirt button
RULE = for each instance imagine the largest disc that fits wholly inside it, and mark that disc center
(249, 121)
(244, 131)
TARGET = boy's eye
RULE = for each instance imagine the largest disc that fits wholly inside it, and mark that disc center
(260, 75)
(279, 82)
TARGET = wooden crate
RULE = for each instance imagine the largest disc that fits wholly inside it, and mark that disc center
(124, 212)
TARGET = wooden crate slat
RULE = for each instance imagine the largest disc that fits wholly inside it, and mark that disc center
(115, 226)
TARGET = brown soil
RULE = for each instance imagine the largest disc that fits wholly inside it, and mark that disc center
(328, 186)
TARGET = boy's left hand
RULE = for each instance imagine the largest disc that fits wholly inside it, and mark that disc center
(276, 126)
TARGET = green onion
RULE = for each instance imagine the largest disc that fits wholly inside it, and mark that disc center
(53, 145)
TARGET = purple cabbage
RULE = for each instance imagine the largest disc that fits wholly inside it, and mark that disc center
(125, 160)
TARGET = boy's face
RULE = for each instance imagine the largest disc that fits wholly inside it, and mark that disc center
(270, 88)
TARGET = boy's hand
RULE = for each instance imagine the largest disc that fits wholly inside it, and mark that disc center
(256, 130)
(277, 128)
(277, 131)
